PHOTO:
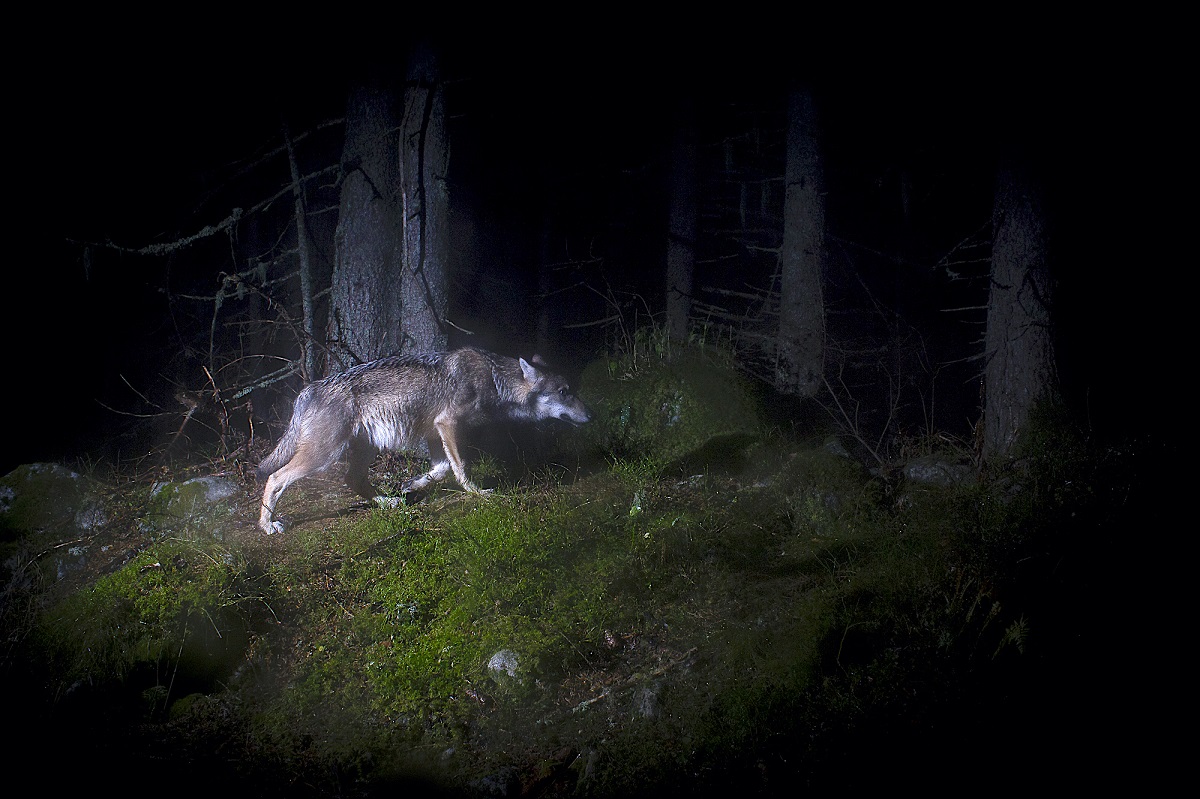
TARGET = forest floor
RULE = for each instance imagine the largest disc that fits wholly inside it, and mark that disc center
(794, 624)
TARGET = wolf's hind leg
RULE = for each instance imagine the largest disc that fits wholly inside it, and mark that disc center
(301, 465)
(276, 483)
(359, 457)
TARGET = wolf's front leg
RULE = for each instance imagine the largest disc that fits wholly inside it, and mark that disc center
(437, 473)
(448, 433)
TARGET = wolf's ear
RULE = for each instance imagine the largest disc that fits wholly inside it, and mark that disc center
(538, 360)
(529, 370)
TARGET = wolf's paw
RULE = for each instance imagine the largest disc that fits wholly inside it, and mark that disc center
(272, 528)
(413, 485)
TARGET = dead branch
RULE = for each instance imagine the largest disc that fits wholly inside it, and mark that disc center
(633, 680)
(224, 226)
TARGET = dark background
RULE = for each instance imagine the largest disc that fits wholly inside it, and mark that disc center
(120, 138)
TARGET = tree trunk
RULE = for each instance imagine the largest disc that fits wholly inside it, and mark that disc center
(425, 155)
(545, 285)
(681, 238)
(1020, 366)
(366, 303)
(308, 343)
(801, 346)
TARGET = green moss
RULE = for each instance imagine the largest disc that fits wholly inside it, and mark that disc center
(659, 623)
(436, 603)
(142, 613)
(198, 507)
(39, 498)
(670, 411)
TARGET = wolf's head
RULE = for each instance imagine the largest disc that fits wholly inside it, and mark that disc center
(549, 395)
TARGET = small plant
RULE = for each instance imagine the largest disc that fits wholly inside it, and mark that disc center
(1014, 635)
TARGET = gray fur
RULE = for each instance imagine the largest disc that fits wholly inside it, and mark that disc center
(407, 402)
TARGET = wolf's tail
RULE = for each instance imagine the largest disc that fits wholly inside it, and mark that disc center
(286, 447)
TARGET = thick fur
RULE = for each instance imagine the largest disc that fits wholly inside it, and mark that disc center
(403, 402)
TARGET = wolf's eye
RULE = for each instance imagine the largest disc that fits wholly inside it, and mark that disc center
(562, 392)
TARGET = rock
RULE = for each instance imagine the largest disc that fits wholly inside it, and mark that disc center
(935, 471)
(40, 497)
(198, 503)
(505, 662)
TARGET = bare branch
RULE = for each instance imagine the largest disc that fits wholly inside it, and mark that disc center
(208, 231)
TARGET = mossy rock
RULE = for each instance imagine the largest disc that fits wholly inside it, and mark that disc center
(43, 504)
(692, 410)
(204, 502)
(39, 498)
(182, 707)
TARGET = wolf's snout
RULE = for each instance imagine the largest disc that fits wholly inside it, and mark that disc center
(579, 416)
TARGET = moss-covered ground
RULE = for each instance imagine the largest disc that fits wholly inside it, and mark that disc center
(631, 626)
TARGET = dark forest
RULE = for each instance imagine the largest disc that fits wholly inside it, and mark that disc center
(187, 231)
(558, 154)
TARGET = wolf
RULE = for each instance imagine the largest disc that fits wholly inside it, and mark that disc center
(400, 402)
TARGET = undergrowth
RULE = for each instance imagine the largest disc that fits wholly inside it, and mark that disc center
(648, 620)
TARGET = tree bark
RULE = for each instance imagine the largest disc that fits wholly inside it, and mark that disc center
(366, 303)
(425, 155)
(681, 238)
(801, 344)
(1020, 368)
(308, 343)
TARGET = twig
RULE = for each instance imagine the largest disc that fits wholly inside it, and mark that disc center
(636, 678)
